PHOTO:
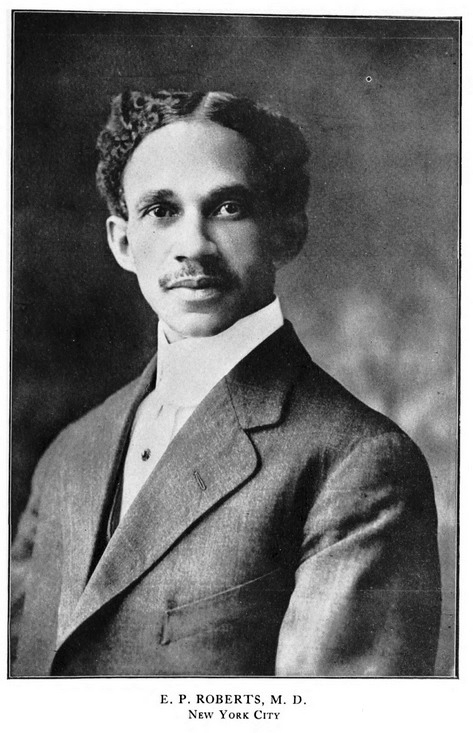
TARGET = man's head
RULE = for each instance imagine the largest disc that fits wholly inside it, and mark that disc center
(207, 197)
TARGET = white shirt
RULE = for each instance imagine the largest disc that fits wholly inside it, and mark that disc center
(187, 370)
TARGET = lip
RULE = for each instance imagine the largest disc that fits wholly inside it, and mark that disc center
(197, 283)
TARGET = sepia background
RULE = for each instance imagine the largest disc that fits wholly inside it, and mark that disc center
(374, 294)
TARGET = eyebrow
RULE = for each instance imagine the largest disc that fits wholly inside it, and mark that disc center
(216, 195)
(155, 197)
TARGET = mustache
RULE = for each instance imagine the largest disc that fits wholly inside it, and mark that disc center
(210, 268)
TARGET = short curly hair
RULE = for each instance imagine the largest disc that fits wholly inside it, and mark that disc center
(279, 144)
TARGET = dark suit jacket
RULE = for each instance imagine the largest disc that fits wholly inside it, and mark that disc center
(288, 529)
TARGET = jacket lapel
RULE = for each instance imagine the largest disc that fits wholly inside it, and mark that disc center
(87, 492)
(211, 456)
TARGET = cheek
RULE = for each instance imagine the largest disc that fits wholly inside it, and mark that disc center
(148, 255)
(256, 272)
(246, 247)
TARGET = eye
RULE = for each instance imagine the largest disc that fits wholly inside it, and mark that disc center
(230, 210)
(162, 211)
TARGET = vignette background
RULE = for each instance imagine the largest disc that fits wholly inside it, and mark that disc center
(373, 295)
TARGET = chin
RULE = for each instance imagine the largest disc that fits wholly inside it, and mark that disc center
(208, 327)
(199, 325)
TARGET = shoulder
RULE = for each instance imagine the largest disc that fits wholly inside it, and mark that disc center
(362, 473)
(96, 427)
(345, 432)
(323, 401)
(316, 418)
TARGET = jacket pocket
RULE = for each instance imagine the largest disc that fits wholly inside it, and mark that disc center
(267, 596)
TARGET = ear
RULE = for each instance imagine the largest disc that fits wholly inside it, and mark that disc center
(118, 242)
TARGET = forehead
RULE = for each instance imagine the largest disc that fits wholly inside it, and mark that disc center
(189, 158)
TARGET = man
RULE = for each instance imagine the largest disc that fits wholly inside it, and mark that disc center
(234, 511)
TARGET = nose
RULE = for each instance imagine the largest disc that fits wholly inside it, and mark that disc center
(193, 237)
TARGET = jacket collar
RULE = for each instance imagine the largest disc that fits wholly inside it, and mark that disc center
(259, 385)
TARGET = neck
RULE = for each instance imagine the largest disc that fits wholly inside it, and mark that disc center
(172, 336)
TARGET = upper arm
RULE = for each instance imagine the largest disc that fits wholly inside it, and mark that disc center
(367, 593)
(26, 539)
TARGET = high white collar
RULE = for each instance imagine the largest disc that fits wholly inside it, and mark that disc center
(188, 369)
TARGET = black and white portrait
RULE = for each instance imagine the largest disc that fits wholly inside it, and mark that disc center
(234, 349)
